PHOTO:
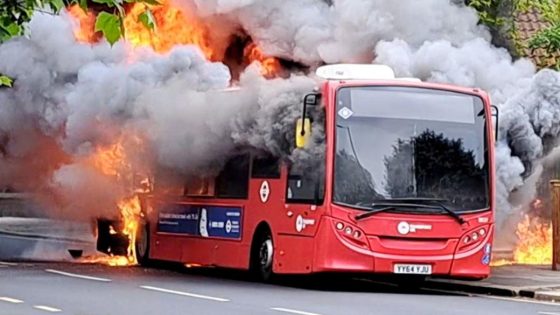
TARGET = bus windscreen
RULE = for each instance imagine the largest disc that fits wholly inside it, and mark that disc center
(405, 142)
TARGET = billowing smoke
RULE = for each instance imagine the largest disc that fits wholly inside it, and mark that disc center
(70, 98)
(312, 31)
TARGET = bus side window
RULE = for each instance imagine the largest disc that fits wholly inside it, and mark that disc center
(200, 187)
(308, 188)
(233, 181)
(266, 166)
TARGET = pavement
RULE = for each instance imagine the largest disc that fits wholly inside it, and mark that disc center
(46, 228)
(31, 288)
(45, 239)
(528, 281)
(39, 239)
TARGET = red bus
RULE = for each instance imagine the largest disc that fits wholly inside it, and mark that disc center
(404, 184)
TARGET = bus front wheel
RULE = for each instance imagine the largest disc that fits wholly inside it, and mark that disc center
(262, 256)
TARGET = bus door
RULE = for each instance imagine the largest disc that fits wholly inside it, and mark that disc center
(304, 194)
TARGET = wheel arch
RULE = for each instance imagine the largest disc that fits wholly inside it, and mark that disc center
(262, 236)
(262, 227)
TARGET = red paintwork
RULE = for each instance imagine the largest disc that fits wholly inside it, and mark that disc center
(319, 247)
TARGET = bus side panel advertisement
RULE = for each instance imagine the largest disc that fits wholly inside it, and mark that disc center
(203, 221)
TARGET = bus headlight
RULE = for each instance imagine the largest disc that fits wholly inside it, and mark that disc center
(351, 233)
(473, 237)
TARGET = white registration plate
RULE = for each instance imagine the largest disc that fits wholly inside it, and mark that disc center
(412, 269)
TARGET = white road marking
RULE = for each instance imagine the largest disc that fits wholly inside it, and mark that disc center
(520, 300)
(287, 310)
(10, 300)
(548, 313)
(47, 308)
(198, 296)
(73, 275)
(3, 263)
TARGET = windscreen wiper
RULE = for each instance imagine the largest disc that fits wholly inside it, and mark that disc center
(373, 211)
(392, 204)
(378, 207)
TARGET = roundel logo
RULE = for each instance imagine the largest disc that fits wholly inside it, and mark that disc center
(299, 223)
(403, 228)
(228, 226)
(264, 192)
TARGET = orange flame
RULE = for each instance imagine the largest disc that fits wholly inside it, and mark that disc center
(112, 161)
(85, 33)
(534, 246)
(535, 242)
(131, 215)
(172, 28)
(270, 66)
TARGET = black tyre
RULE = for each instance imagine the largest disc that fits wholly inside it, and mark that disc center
(412, 283)
(262, 256)
(142, 244)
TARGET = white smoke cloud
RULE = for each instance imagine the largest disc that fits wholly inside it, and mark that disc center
(75, 98)
(312, 32)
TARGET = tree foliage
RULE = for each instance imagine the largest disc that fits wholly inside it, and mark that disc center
(488, 12)
(353, 184)
(431, 165)
(548, 38)
(14, 14)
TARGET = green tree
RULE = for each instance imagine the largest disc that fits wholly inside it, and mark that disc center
(14, 14)
(499, 16)
(548, 38)
(433, 166)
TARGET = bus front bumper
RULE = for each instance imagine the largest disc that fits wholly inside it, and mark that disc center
(336, 253)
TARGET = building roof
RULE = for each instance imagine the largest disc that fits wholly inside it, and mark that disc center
(527, 24)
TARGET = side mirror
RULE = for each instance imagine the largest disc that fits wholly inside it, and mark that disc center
(495, 116)
(303, 132)
(311, 99)
(303, 124)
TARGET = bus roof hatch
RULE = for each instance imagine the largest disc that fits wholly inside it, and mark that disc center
(355, 72)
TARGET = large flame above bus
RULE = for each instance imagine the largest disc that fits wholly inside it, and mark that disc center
(172, 27)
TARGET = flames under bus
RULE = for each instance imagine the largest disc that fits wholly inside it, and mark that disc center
(403, 184)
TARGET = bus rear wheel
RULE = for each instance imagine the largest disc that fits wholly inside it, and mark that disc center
(262, 257)
(142, 244)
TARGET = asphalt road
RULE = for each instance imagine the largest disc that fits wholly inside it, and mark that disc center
(85, 289)
(66, 288)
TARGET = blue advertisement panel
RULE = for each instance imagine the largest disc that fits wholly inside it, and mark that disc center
(203, 221)
(182, 219)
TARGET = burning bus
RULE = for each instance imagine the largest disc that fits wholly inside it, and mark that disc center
(400, 181)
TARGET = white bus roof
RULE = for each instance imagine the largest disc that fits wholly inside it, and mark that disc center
(358, 72)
